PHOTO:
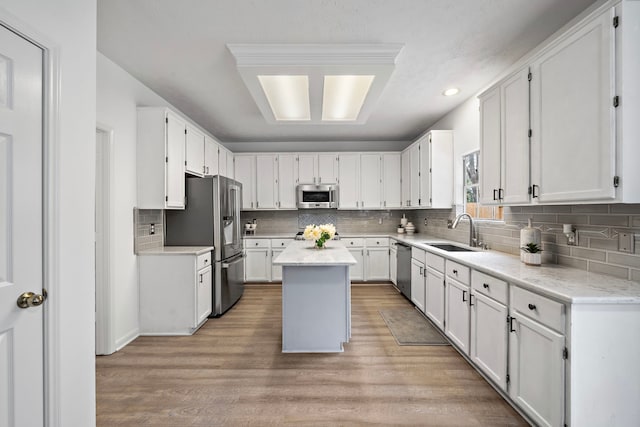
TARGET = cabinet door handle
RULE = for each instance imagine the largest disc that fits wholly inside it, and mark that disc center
(533, 191)
(500, 191)
(201, 278)
(421, 271)
(510, 320)
(464, 296)
(470, 299)
(485, 285)
(532, 307)
(495, 194)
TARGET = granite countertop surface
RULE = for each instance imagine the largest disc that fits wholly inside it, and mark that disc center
(302, 253)
(566, 284)
(177, 250)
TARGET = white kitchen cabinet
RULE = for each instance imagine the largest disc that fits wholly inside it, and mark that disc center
(393, 263)
(245, 169)
(391, 180)
(287, 178)
(222, 161)
(327, 168)
(417, 284)
(504, 142)
(175, 293)
(489, 331)
(307, 168)
(356, 271)
(434, 296)
(573, 116)
(160, 159)
(414, 174)
(405, 160)
(266, 181)
(457, 308)
(276, 270)
(319, 168)
(370, 181)
(377, 264)
(230, 165)
(349, 176)
(194, 151)
(257, 263)
(210, 156)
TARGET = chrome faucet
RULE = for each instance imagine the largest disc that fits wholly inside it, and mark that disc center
(472, 240)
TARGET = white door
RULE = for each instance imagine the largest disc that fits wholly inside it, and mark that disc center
(406, 177)
(414, 174)
(370, 181)
(245, 174)
(434, 296)
(356, 271)
(490, 156)
(222, 162)
(377, 265)
(417, 284)
(393, 265)
(287, 174)
(257, 265)
(425, 172)
(266, 185)
(231, 170)
(276, 270)
(327, 168)
(195, 152)
(489, 338)
(204, 294)
(349, 190)
(210, 156)
(307, 169)
(21, 246)
(391, 181)
(174, 172)
(457, 314)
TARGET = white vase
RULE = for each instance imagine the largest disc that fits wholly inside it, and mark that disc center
(532, 259)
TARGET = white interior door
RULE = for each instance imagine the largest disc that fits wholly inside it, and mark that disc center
(21, 246)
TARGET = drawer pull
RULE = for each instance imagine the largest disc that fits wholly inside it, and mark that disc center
(532, 306)
(257, 243)
(485, 285)
(281, 243)
(455, 272)
(206, 260)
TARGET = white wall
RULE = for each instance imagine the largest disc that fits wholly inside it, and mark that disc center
(465, 123)
(118, 95)
(71, 25)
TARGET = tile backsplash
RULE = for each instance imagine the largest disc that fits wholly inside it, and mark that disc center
(598, 227)
(142, 221)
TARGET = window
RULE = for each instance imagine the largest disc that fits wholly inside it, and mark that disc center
(472, 188)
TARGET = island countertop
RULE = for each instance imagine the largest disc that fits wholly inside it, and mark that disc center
(302, 252)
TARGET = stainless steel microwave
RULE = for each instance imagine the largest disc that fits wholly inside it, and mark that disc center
(317, 196)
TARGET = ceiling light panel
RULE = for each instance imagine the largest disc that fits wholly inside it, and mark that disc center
(288, 96)
(343, 96)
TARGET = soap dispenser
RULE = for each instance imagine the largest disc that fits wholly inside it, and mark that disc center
(529, 235)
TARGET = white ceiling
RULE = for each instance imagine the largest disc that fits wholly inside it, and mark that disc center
(178, 49)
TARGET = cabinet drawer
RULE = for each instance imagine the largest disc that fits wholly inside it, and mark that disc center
(435, 261)
(373, 242)
(548, 312)
(417, 254)
(458, 272)
(257, 243)
(204, 260)
(353, 242)
(280, 243)
(489, 286)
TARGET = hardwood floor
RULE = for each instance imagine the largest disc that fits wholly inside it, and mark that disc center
(232, 372)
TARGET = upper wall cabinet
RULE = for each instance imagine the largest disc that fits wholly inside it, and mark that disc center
(573, 115)
(319, 168)
(391, 180)
(349, 181)
(245, 173)
(211, 151)
(195, 152)
(576, 113)
(428, 182)
(504, 141)
(160, 159)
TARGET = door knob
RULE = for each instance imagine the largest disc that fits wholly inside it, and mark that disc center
(30, 299)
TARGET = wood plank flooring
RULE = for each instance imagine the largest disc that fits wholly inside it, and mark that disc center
(232, 372)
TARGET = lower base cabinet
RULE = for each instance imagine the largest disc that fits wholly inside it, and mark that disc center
(356, 271)
(417, 284)
(257, 265)
(489, 337)
(393, 264)
(457, 314)
(175, 293)
(434, 296)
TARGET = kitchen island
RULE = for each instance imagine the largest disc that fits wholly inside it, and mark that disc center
(316, 297)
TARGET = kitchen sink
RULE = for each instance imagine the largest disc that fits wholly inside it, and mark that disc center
(449, 247)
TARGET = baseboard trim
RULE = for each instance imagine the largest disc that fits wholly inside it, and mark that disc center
(127, 338)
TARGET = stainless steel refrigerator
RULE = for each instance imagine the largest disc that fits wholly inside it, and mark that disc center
(212, 218)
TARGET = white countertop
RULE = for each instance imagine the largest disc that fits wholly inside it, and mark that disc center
(566, 284)
(177, 250)
(302, 252)
(268, 235)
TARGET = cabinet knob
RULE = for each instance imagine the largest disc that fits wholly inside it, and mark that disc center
(455, 272)
(256, 243)
(485, 285)
(532, 306)
(206, 261)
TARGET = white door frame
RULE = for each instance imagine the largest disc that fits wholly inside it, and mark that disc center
(51, 214)
(105, 291)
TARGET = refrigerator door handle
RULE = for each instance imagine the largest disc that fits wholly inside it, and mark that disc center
(235, 261)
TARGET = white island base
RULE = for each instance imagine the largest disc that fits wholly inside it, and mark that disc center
(316, 308)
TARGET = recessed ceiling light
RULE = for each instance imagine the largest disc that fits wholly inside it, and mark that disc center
(451, 91)
(288, 96)
(343, 96)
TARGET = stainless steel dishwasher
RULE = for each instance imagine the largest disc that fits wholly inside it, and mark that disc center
(403, 258)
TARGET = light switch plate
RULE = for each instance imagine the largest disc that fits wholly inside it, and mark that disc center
(626, 242)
